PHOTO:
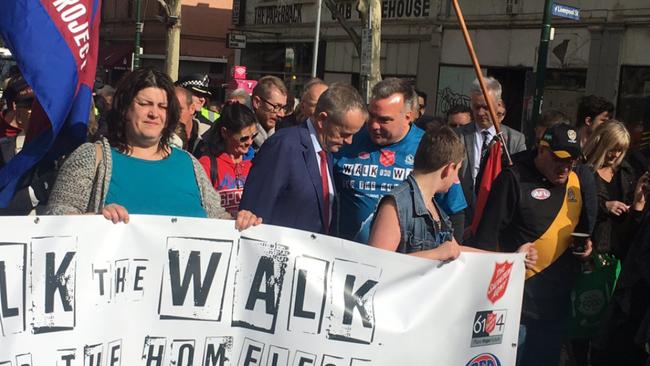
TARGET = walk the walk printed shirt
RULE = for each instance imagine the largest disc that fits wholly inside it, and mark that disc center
(365, 172)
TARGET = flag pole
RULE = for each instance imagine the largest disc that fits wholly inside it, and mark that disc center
(479, 76)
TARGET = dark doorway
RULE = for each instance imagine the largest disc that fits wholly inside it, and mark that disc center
(513, 80)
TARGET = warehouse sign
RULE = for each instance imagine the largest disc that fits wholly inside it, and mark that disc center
(390, 9)
(565, 11)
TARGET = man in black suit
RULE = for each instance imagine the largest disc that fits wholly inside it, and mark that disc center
(477, 137)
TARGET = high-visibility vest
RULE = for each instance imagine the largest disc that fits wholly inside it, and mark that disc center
(210, 115)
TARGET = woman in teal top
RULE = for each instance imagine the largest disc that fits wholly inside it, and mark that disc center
(134, 170)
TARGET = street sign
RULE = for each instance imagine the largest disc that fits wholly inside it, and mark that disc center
(236, 40)
(565, 11)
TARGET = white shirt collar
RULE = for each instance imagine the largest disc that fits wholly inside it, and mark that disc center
(314, 137)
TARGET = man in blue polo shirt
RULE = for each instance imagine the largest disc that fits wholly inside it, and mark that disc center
(380, 158)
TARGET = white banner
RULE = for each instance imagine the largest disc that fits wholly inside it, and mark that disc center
(179, 291)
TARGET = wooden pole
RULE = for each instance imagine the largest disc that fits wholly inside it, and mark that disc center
(479, 76)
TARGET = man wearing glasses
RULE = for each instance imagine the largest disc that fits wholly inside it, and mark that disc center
(269, 104)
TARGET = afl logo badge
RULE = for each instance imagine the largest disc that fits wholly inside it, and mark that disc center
(540, 194)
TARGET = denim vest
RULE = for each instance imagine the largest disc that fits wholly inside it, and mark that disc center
(418, 230)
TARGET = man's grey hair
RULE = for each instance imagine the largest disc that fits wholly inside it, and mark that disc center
(241, 94)
(390, 86)
(185, 93)
(338, 100)
(491, 84)
(310, 84)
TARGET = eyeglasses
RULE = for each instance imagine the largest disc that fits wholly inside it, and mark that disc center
(249, 137)
(275, 107)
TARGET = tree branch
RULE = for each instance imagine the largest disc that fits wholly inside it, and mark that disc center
(354, 36)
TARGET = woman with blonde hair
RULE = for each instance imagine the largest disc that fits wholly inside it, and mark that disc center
(621, 200)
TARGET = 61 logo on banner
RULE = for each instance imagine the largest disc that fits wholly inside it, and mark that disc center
(488, 327)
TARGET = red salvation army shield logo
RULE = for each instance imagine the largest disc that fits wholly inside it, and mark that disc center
(499, 282)
(490, 322)
(387, 158)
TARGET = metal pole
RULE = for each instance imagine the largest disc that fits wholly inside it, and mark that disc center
(314, 62)
(542, 57)
(139, 27)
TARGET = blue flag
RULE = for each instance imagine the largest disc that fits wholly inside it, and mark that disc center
(54, 43)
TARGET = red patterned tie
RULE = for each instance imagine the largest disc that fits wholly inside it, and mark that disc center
(326, 190)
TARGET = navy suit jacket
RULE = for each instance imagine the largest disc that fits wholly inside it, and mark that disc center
(284, 185)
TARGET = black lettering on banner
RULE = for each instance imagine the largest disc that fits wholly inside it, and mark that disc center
(263, 275)
(194, 279)
(277, 356)
(93, 355)
(65, 357)
(251, 353)
(100, 278)
(329, 360)
(304, 359)
(24, 359)
(182, 352)
(13, 287)
(56, 280)
(307, 305)
(53, 282)
(140, 267)
(218, 351)
(121, 268)
(359, 362)
(5, 363)
(192, 273)
(153, 351)
(7, 311)
(114, 353)
(353, 286)
(258, 284)
(354, 300)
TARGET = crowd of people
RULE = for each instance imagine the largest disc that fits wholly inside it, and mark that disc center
(383, 174)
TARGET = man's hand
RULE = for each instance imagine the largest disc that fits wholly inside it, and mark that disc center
(587, 252)
(116, 213)
(246, 219)
(531, 254)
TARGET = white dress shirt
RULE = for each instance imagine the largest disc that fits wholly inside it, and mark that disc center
(478, 143)
(317, 149)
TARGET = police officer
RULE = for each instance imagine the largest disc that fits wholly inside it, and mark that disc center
(198, 84)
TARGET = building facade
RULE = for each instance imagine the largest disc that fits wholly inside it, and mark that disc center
(602, 53)
(204, 25)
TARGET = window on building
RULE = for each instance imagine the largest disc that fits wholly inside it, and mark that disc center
(633, 107)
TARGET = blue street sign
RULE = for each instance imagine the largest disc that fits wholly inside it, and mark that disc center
(565, 11)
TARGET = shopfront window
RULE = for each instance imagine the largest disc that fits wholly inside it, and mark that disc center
(633, 107)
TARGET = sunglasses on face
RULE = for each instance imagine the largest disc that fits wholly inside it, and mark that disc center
(248, 137)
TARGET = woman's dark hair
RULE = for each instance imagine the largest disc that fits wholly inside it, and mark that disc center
(234, 117)
(127, 89)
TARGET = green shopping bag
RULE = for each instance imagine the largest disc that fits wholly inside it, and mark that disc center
(591, 295)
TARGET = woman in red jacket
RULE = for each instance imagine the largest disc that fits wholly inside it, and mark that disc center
(226, 143)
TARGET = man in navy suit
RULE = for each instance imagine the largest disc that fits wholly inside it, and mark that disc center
(290, 183)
